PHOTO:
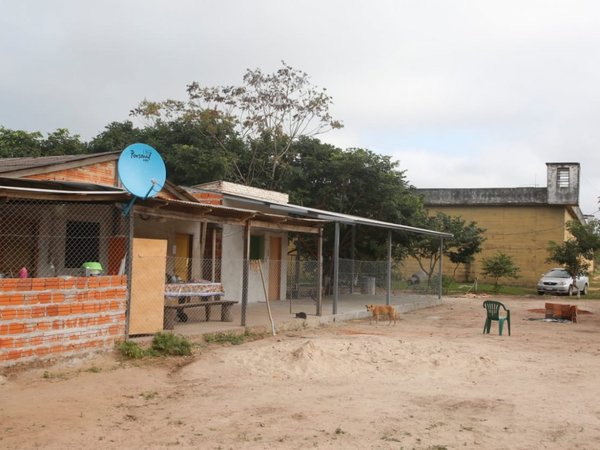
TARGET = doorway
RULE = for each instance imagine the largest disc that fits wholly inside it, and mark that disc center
(182, 266)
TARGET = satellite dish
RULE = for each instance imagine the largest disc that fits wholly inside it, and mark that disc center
(141, 171)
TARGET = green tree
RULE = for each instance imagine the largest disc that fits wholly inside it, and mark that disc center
(575, 253)
(460, 249)
(269, 111)
(190, 153)
(466, 243)
(499, 266)
(357, 182)
(18, 143)
(62, 142)
(115, 137)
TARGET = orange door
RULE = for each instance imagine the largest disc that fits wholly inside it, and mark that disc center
(183, 256)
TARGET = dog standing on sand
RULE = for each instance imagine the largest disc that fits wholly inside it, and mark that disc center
(380, 310)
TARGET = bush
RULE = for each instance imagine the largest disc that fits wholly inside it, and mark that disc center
(131, 350)
(172, 345)
(163, 344)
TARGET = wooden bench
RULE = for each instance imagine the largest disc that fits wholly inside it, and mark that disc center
(226, 309)
(180, 296)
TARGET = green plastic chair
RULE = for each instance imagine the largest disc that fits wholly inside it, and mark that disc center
(493, 313)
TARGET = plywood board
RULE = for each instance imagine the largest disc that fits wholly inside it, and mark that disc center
(147, 286)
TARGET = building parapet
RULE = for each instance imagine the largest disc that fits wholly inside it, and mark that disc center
(484, 196)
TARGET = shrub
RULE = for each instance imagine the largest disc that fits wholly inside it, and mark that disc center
(171, 344)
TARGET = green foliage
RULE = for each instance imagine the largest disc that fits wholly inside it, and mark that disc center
(269, 112)
(131, 350)
(460, 249)
(499, 266)
(163, 344)
(355, 181)
(19, 143)
(447, 283)
(226, 338)
(115, 137)
(575, 253)
(171, 344)
(62, 142)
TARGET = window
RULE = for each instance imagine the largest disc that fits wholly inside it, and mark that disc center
(257, 247)
(82, 244)
(563, 178)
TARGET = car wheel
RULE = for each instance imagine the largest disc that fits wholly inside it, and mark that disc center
(584, 291)
(570, 292)
(540, 293)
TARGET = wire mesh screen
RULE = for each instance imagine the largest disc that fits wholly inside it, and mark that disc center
(194, 292)
(54, 239)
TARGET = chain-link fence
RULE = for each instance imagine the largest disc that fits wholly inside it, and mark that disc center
(63, 282)
(61, 239)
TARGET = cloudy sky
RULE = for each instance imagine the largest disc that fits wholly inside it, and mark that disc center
(478, 93)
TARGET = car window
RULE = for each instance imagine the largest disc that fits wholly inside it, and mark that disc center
(558, 274)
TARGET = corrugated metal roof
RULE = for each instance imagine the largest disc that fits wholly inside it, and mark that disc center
(16, 164)
(330, 216)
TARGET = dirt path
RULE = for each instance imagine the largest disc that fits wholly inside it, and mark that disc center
(433, 381)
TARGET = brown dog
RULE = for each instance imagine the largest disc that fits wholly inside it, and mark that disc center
(380, 310)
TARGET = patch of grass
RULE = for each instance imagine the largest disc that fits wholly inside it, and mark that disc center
(49, 375)
(148, 395)
(171, 344)
(225, 338)
(132, 350)
(163, 344)
(94, 369)
(233, 338)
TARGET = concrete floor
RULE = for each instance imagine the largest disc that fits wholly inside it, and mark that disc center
(349, 307)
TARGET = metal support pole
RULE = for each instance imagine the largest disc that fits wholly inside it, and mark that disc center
(129, 266)
(389, 269)
(336, 267)
(352, 258)
(320, 274)
(440, 268)
(245, 272)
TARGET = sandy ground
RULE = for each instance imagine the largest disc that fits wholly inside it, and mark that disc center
(433, 381)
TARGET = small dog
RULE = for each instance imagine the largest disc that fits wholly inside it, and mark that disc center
(380, 310)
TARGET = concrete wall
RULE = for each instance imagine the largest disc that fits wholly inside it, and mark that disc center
(47, 318)
(232, 265)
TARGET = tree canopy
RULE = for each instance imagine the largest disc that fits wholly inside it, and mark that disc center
(19, 143)
(270, 112)
(460, 249)
(576, 253)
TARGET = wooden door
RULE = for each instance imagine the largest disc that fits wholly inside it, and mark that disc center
(183, 256)
(275, 268)
(148, 265)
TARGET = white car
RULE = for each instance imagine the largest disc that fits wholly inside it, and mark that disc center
(558, 281)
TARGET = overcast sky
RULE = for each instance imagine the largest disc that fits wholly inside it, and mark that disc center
(477, 93)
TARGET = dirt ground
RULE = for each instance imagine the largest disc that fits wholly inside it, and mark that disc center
(432, 381)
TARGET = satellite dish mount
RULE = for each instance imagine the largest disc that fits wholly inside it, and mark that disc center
(142, 172)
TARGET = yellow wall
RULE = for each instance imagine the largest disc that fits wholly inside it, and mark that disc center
(522, 232)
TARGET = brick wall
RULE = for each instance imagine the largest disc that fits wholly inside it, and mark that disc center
(210, 198)
(46, 318)
(101, 173)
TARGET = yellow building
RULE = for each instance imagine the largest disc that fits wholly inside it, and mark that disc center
(519, 222)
